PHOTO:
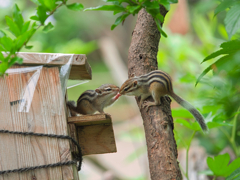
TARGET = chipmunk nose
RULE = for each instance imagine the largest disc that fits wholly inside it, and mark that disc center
(121, 92)
(117, 89)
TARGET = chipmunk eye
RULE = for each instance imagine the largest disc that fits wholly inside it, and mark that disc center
(108, 89)
(126, 88)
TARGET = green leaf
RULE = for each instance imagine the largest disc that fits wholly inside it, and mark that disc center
(151, 5)
(233, 166)
(181, 113)
(50, 4)
(3, 67)
(166, 4)
(75, 6)
(160, 17)
(133, 9)
(48, 27)
(106, 8)
(21, 40)
(232, 20)
(235, 175)
(25, 27)
(119, 20)
(219, 52)
(224, 5)
(28, 47)
(218, 165)
(15, 60)
(35, 18)
(234, 44)
(152, 8)
(34, 25)
(36, 2)
(17, 17)
(42, 14)
(215, 54)
(120, 1)
(7, 43)
(2, 34)
(13, 27)
(160, 28)
(194, 126)
(219, 62)
(1, 56)
(173, 1)
(153, 12)
(229, 47)
(217, 124)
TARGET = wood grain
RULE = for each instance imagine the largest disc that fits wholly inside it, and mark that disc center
(80, 67)
(45, 115)
(72, 129)
(90, 119)
(96, 139)
(157, 121)
(95, 133)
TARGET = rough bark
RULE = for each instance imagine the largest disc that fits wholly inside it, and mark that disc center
(158, 122)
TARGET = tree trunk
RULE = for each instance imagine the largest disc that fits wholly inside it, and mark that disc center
(158, 121)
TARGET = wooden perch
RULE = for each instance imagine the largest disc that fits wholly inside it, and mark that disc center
(95, 133)
(90, 119)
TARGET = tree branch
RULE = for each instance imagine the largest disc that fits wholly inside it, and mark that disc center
(158, 122)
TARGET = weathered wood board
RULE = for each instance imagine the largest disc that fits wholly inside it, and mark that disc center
(80, 67)
(39, 110)
(95, 133)
(90, 119)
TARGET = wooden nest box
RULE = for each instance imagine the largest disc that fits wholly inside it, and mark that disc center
(32, 98)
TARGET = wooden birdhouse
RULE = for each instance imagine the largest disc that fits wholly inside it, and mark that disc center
(33, 100)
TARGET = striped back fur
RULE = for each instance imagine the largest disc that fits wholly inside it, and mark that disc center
(88, 95)
(157, 76)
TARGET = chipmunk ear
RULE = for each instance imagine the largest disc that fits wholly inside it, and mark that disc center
(98, 91)
(135, 83)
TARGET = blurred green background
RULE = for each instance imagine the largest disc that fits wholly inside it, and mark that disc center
(190, 39)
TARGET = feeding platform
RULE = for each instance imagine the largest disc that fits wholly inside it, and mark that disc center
(95, 133)
(33, 100)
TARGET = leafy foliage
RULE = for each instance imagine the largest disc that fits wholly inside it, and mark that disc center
(219, 165)
(232, 20)
(235, 175)
(225, 84)
(75, 7)
(133, 7)
(24, 30)
(229, 49)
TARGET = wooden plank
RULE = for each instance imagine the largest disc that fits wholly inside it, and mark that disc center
(80, 67)
(59, 125)
(72, 132)
(94, 119)
(96, 139)
(46, 115)
(95, 133)
(7, 143)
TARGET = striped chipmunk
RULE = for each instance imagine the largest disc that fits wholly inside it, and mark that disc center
(157, 84)
(92, 101)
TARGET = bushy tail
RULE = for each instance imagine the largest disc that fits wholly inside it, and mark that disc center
(197, 115)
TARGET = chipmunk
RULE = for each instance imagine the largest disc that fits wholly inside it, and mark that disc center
(157, 84)
(91, 101)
